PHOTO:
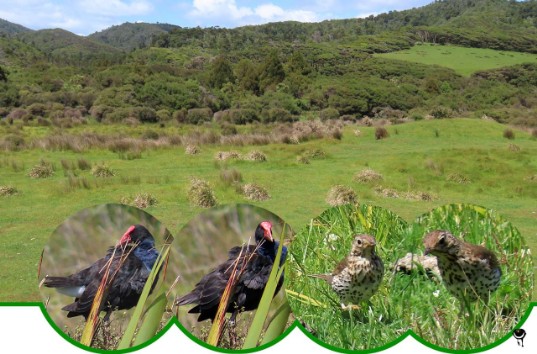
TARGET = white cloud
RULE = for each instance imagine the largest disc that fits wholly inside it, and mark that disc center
(220, 8)
(227, 11)
(116, 8)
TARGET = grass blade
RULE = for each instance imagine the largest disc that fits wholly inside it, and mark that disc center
(128, 336)
(256, 328)
(278, 322)
(219, 321)
(150, 324)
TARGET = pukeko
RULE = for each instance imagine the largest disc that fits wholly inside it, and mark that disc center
(254, 266)
(131, 261)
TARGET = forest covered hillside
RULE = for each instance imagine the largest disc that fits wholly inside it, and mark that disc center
(278, 72)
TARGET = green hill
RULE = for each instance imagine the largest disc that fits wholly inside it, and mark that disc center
(130, 36)
(9, 29)
(62, 46)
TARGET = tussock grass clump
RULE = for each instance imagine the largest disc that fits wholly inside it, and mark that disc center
(102, 171)
(43, 169)
(84, 164)
(68, 165)
(367, 175)
(514, 148)
(387, 192)
(144, 200)
(381, 133)
(534, 133)
(459, 178)
(254, 191)
(230, 177)
(256, 155)
(420, 196)
(341, 195)
(303, 160)
(437, 168)
(532, 178)
(227, 155)
(75, 182)
(315, 154)
(192, 149)
(201, 194)
(6, 191)
(509, 134)
(133, 154)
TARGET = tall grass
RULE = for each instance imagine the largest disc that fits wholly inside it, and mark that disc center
(406, 301)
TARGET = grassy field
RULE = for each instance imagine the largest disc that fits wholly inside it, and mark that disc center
(405, 300)
(464, 61)
(423, 164)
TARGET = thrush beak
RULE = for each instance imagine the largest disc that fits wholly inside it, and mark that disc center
(427, 252)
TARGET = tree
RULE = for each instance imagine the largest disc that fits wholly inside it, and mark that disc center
(221, 73)
(247, 76)
(3, 74)
(272, 72)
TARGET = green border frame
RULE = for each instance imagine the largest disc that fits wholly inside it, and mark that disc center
(296, 324)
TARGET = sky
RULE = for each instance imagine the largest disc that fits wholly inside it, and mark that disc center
(85, 17)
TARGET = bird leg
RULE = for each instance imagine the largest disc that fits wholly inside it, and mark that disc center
(232, 330)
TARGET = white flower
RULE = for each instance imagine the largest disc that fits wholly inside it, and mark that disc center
(436, 293)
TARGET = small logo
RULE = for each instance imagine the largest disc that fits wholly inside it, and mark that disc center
(519, 334)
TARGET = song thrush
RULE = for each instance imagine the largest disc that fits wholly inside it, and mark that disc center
(358, 276)
(469, 271)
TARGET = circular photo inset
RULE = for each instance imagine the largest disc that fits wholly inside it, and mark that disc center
(100, 266)
(230, 292)
(480, 279)
(339, 282)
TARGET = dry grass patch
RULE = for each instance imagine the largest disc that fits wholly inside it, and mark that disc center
(102, 171)
(255, 192)
(43, 169)
(227, 155)
(514, 148)
(144, 200)
(192, 149)
(6, 191)
(458, 178)
(341, 195)
(302, 160)
(201, 194)
(387, 192)
(367, 175)
(256, 155)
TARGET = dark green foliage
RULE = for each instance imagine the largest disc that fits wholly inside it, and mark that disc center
(274, 72)
(220, 72)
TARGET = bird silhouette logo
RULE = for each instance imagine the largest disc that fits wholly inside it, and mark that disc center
(519, 334)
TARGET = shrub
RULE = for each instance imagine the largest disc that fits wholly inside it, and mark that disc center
(102, 171)
(200, 194)
(340, 195)
(367, 175)
(253, 191)
(6, 191)
(256, 155)
(42, 170)
(381, 133)
(329, 113)
(276, 115)
(230, 177)
(509, 134)
(144, 200)
(199, 115)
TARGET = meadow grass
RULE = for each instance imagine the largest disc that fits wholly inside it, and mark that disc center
(406, 301)
(465, 61)
(412, 160)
